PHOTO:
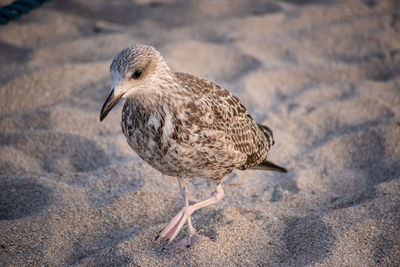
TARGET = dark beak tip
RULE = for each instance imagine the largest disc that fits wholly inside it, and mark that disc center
(108, 105)
(103, 114)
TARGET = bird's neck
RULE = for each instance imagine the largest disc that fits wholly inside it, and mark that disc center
(144, 102)
(155, 95)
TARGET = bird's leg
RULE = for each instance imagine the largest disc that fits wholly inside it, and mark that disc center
(192, 236)
(175, 225)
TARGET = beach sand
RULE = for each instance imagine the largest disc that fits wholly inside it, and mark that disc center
(323, 75)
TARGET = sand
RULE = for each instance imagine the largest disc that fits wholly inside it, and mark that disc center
(324, 75)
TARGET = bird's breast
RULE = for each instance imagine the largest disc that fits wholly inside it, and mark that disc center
(149, 134)
(177, 147)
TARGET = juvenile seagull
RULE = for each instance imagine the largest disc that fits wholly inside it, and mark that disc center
(184, 127)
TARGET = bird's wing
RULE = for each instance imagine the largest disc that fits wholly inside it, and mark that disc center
(213, 107)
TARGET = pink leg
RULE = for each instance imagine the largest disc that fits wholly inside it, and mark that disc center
(175, 225)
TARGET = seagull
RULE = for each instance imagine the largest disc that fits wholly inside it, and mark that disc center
(185, 127)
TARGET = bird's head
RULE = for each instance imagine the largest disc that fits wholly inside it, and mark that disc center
(133, 71)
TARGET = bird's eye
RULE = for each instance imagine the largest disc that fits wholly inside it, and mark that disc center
(137, 74)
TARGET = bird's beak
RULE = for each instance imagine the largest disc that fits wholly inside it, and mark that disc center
(111, 101)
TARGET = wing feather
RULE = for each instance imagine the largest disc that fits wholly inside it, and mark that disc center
(215, 108)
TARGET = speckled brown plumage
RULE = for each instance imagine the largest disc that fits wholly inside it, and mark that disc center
(184, 126)
(212, 133)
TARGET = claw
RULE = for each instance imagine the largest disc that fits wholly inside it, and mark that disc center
(158, 235)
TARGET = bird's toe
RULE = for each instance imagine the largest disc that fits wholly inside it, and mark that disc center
(189, 241)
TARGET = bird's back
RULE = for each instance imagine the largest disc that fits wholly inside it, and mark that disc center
(214, 107)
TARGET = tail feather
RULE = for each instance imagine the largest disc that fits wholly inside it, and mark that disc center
(268, 165)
